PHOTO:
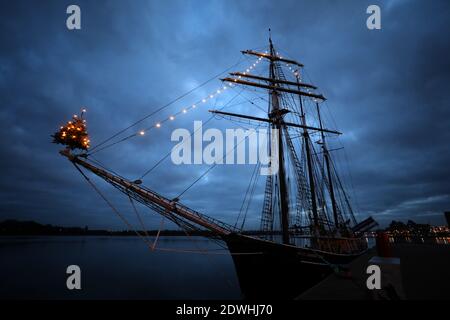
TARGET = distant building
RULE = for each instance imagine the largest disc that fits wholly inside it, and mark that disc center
(447, 217)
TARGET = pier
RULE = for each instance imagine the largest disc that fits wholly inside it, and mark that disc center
(423, 275)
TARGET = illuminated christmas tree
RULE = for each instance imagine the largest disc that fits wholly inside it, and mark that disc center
(74, 134)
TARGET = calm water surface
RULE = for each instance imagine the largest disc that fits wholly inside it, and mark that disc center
(114, 268)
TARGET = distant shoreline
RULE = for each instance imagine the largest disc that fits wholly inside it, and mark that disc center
(32, 228)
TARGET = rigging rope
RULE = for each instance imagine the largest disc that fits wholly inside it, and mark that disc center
(166, 105)
(210, 168)
(159, 232)
(111, 205)
(144, 229)
(116, 211)
(245, 196)
(250, 198)
(170, 152)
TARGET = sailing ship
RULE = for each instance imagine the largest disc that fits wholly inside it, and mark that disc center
(308, 227)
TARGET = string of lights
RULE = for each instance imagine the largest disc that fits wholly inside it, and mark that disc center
(142, 132)
(184, 110)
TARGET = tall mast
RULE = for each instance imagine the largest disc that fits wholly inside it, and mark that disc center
(327, 163)
(312, 185)
(278, 124)
(276, 87)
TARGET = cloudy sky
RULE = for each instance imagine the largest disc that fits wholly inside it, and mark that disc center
(387, 90)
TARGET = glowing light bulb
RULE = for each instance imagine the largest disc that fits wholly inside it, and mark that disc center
(218, 91)
(211, 96)
(184, 110)
(224, 87)
(158, 125)
(84, 110)
(172, 118)
(142, 132)
(203, 100)
(194, 106)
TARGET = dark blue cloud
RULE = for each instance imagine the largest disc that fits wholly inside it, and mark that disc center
(387, 90)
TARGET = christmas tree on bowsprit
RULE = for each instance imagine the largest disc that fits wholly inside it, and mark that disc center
(73, 134)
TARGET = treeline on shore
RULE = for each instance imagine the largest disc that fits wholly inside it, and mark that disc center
(32, 228)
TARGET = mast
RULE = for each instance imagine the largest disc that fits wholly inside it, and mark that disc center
(327, 163)
(278, 124)
(312, 187)
(276, 87)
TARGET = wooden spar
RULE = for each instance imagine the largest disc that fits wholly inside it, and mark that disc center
(170, 205)
(271, 121)
(270, 87)
(271, 57)
(241, 74)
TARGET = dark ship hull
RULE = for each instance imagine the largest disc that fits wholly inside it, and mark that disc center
(269, 270)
